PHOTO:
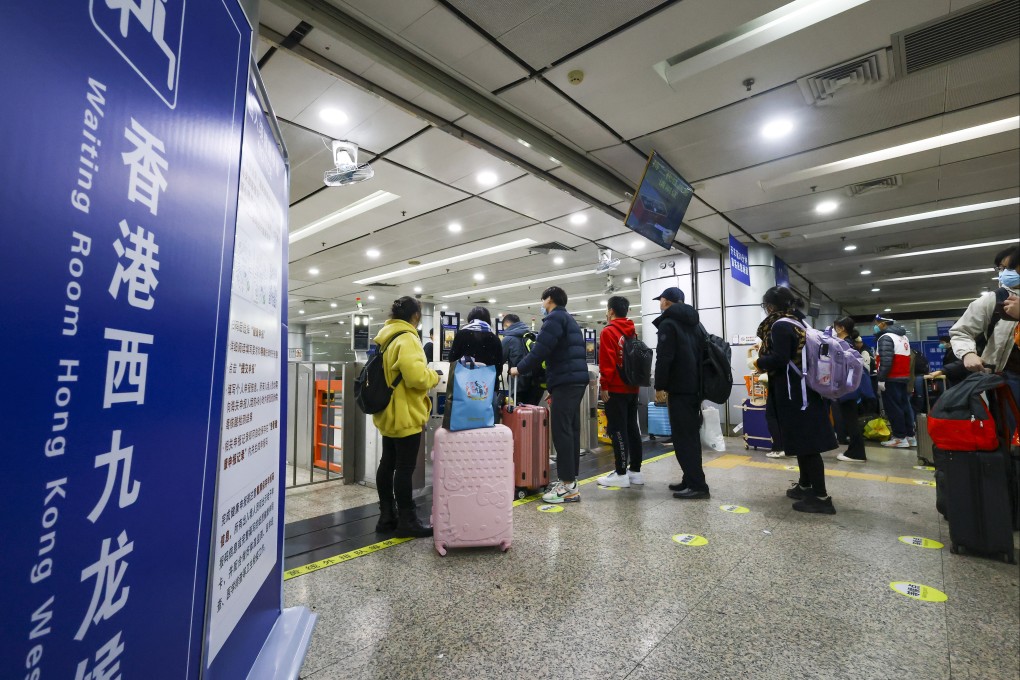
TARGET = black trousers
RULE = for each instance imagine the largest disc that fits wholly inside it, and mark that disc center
(393, 478)
(685, 422)
(565, 421)
(531, 396)
(855, 433)
(812, 472)
(772, 418)
(622, 428)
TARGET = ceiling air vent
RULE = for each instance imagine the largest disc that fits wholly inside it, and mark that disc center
(546, 248)
(867, 70)
(380, 284)
(873, 185)
(976, 28)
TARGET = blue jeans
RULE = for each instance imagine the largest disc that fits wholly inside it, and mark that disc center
(897, 408)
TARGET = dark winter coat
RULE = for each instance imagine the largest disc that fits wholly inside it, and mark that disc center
(483, 347)
(804, 431)
(678, 350)
(560, 344)
(514, 350)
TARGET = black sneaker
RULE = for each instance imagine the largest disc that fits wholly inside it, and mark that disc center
(798, 492)
(678, 487)
(815, 504)
(692, 494)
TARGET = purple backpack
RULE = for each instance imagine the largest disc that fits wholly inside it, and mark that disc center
(832, 368)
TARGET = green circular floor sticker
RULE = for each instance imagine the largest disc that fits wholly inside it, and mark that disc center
(550, 507)
(924, 482)
(735, 509)
(609, 488)
(918, 591)
(690, 539)
(920, 542)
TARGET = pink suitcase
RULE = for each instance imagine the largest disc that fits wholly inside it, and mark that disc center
(530, 427)
(473, 488)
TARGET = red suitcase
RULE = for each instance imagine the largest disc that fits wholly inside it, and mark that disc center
(530, 427)
(472, 488)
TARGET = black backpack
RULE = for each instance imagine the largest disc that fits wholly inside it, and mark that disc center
(371, 391)
(637, 363)
(716, 371)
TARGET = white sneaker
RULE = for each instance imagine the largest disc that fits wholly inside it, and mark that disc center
(636, 478)
(776, 454)
(562, 493)
(847, 459)
(912, 442)
(895, 443)
(613, 479)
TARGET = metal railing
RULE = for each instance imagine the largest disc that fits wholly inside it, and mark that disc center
(315, 407)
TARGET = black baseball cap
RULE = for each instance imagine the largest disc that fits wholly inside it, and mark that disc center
(674, 295)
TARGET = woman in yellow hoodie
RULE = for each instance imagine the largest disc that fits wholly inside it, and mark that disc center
(402, 421)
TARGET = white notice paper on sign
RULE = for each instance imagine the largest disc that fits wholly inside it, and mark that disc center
(247, 490)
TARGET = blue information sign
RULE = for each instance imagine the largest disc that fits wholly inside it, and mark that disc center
(125, 125)
(933, 353)
(739, 267)
(942, 327)
(782, 273)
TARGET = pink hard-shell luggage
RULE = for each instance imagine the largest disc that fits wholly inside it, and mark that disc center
(473, 488)
(530, 427)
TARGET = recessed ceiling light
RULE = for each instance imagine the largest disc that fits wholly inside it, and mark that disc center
(578, 219)
(333, 116)
(333, 305)
(455, 227)
(479, 276)
(865, 272)
(588, 316)
(347, 333)
(446, 306)
(875, 290)
(826, 207)
(523, 143)
(417, 289)
(472, 255)
(300, 311)
(492, 301)
(887, 309)
(553, 159)
(557, 260)
(327, 335)
(314, 271)
(849, 247)
(341, 322)
(486, 178)
(628, 280)
(371, 297)
(777, 128)
(637, 245)
(372, 253)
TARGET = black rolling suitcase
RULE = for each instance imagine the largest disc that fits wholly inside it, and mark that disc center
(979, 493)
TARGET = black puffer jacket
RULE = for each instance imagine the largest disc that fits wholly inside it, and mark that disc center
(678, 350)
(560, 344)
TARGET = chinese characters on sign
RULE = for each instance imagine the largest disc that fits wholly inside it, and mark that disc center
(739, 267)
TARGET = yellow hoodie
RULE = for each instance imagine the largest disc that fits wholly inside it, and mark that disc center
(409, 409)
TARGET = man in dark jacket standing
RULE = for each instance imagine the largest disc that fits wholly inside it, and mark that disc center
(678, 382)
(893, 355)
(620, 399)
(515, 336)
(560, 345)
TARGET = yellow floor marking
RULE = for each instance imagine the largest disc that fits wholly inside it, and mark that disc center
(863, 475)
(728, 462)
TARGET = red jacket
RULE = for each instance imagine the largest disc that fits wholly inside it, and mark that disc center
(611, 356)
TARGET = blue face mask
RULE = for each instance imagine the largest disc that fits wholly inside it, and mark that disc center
(1009, 278)
(942, 345)
(877, 328)
(545, 312)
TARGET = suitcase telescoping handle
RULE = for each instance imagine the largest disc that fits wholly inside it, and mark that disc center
(514, 379)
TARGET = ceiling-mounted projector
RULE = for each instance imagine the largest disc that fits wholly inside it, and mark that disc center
(606, 262)
(347, 170)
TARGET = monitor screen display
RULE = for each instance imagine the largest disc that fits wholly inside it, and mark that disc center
(660, 203)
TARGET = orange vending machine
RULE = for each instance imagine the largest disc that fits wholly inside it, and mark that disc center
(327, 451)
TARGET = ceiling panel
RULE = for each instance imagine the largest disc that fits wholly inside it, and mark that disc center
(443, 36)
(713, 226)
(450, 160)
(597, 226)
(489, 68)
(358, 105)
(293, 84)
(337, 51)
(438, 106)
(627, 162)
(389, 79)
(535, 198)
(385, 128)
(507, 143)
(277, 18)
(542, 103)
(633, 245)
(417, 195)
(590, 188)
(396, 16)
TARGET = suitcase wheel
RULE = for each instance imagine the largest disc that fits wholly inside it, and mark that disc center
(521, 493)
(651, 437)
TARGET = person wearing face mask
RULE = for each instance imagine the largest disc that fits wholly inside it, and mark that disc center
(402, 421)
(560, 344)
(990, 315)
(847, 404)
(894, 366)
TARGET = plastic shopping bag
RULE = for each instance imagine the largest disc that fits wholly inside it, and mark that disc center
(711, 429)
(877, 429)
(474, 388)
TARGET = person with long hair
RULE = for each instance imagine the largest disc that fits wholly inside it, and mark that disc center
(803, 414)
(402, 422)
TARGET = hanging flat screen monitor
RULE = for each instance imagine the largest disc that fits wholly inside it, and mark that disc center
(660, 204)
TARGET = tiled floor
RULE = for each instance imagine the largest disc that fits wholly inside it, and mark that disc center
(601, 591)
(313, 500)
